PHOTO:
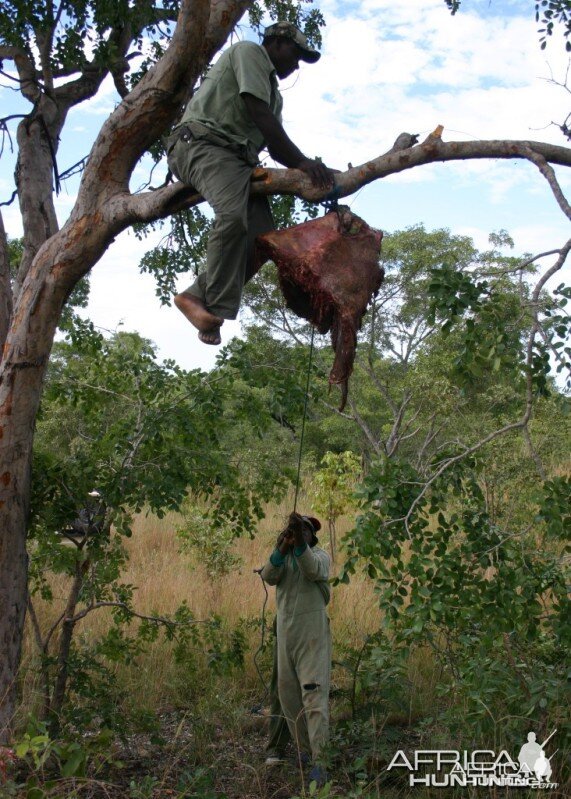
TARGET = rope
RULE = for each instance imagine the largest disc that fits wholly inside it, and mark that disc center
(260, 649)
(257, 708)
(331, 201)
(303, 420)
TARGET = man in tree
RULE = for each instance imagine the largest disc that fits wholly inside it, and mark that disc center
(300, 570)
(233, 115)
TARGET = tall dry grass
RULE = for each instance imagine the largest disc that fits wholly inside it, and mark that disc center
(164, 577)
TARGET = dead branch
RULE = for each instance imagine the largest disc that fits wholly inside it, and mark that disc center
(549, 175)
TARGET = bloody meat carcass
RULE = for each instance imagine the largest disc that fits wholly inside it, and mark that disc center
(328, 270)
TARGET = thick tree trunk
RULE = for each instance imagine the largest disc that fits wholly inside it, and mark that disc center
(26, 353)
(13, 595)
(5, 288)
(37, 148)
(59, 260)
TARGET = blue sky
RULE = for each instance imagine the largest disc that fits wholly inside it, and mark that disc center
(386, 67)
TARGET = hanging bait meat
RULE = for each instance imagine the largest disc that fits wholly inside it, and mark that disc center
(329, 271)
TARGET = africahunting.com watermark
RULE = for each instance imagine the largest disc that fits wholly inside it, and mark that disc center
(445, 768)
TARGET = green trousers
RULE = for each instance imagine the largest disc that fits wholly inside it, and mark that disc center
(279, 736)
(223, 176)
(304, 671)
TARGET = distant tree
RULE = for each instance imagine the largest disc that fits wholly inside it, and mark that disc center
(144, 435)
(465, 504)
(415, 374)
(333, 489)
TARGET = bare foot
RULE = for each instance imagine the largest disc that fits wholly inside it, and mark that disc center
(210, 336)
(207, 324)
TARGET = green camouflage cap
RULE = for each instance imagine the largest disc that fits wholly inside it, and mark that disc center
(288, 31)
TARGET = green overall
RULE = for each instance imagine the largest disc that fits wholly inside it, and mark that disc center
(304, 643)
(214, 149)
(278, 733)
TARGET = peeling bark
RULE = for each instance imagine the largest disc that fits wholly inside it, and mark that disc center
(37, 146)
(5, 287)
(56, 260)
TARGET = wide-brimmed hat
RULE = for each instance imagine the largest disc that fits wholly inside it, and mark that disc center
(286, 30)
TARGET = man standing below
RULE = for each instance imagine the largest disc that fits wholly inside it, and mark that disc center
(235, 113)
(300, 570)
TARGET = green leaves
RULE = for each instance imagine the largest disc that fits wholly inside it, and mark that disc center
(333, 487)
(547, 12)
(447, 575)
(83, 31)
(555, 508)
(210, 539)
(145, 435)
(489, 318)
(550, 13)
(183, 251)
(114, 419)
(556, 329)
(452, 292)
(309, 20)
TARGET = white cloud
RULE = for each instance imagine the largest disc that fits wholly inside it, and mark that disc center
(122, 298)
(12, 220)
(409, 66)
(102, 104)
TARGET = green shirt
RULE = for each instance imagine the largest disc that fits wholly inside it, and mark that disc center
(244, 68)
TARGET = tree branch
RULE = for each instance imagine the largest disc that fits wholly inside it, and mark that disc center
(521, 424)
(533, 453)
(35, 626)
(27, 74)
(549, 175)
(44, 43)
(396, 437)
(142, 117)
(356, 416)
(431, 434)
(554, 351)
(381, 387)
(149, 206)
(123, 605)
